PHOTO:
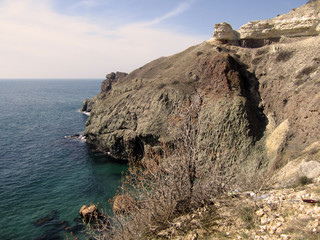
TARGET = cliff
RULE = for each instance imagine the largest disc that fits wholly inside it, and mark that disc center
(259, 88)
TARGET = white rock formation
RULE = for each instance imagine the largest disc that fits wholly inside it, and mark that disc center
(224, 31)
(303, 21)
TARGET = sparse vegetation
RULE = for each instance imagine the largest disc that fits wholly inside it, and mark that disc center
(281, 77)
(246, 215)
(252, 179)
(284, 55)
(304, 180)
(262, 51)
(245, 235)
(306, 71)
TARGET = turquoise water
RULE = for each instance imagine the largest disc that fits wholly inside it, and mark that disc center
(43, 174)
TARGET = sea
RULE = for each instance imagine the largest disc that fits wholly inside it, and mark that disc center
(46, 178)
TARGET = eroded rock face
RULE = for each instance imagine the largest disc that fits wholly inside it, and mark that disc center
(303, 21)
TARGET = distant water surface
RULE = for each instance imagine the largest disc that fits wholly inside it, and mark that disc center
(42, 174)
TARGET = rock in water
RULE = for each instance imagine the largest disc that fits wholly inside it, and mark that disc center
(87, 105)
(49, 218)
(89, 214)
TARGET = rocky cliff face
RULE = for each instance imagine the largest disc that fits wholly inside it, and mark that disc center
(260, 105)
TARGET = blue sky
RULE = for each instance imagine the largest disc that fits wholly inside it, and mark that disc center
(90, 38)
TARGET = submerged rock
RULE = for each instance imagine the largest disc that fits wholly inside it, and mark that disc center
(49, 218)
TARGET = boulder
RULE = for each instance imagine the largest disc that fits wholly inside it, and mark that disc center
(89, 214)
(310, 169)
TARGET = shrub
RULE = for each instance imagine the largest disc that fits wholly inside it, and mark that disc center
(306, 71)
(284, 56)
(304, 180)
(246, 215)
(262, 51)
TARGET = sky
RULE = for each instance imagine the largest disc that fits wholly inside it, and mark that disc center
(90, 38)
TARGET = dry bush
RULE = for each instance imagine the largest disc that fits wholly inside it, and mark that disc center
(306, 71)
(167, 184)
(253, 179)
(284, 55)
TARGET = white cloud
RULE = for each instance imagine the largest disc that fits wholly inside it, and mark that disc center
(86, 4)
(180, 9)
(36, 42)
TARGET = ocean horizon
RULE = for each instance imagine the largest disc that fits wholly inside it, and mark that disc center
(45, 178)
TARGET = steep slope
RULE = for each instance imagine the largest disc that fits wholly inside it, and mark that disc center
(260, 105)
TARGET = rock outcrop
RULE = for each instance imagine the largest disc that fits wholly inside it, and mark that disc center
(303, 21)
(259, 105)
(112, 77)
(224, 32)
(87, 105)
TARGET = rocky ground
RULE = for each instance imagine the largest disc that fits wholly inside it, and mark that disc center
(274, 214)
